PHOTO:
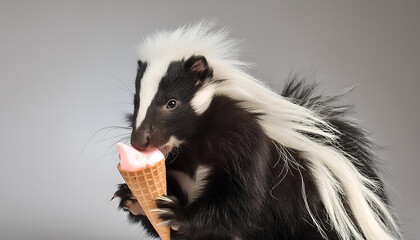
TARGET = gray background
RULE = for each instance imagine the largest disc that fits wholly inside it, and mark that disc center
(61, 63)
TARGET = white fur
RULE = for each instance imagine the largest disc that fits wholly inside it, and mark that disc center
(200, 180)
(202, 99)
(173, 142)
(150, 83)
(192, 186)
(283, 121)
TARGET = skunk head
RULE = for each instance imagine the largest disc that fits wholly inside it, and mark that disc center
(175, 82)
(163, 112)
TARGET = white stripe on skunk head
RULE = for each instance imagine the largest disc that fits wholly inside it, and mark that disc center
(179, 74)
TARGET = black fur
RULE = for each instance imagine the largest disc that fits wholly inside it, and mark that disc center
(254, 190)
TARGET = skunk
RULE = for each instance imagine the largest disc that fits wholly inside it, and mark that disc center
(244, 162)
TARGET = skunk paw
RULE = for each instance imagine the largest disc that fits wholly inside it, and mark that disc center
(171, 212)
(128, 202)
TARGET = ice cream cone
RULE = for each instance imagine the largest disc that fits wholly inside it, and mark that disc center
(147, 184)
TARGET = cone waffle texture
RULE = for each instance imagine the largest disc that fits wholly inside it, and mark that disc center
(147, 184)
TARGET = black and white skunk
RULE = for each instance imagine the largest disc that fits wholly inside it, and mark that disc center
(243, 161)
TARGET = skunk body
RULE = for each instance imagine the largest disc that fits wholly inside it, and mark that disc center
(244, 162)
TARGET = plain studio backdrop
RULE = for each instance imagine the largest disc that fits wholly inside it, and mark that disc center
(63, 66)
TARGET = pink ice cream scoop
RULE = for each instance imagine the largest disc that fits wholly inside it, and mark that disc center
(131, 159)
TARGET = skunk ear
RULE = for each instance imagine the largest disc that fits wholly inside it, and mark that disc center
(197, 66)
(139, 63)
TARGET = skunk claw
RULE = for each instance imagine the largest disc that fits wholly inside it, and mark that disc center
(164, 198)
(170, 211)
(165, 223)
(159, 210)
(113, 197)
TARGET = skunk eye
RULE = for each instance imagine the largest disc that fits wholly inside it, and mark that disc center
(171, 104)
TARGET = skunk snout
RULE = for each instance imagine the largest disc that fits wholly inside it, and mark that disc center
(140, 140)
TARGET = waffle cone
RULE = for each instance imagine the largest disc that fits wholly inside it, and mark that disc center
(146, 185)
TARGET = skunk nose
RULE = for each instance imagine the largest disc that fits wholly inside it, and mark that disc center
(140, 141)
